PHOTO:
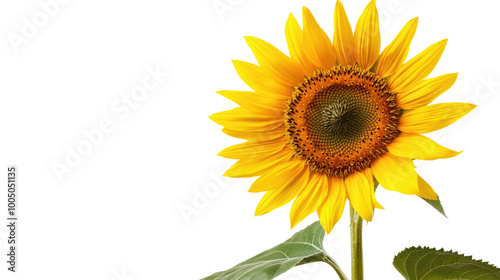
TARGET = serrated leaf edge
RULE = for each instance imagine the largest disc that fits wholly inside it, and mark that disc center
(484, 264)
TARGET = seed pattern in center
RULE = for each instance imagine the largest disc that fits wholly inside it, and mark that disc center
(340, 120)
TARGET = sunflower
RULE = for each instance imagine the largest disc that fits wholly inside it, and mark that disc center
(325, 123)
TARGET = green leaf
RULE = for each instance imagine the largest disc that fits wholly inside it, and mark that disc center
(431, 264)
(436, 204)
(305, 246)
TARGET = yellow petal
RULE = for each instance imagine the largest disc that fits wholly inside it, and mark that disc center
(367, 37)
(278, 197)
(318, 45)
(425, 190)
(359, 195)
(276, 63)
(260, 81)
(394, 55)
(415, 146)
(331, 210)
(295, 41)
(417, 68)
(242, 119)
(425, 92)
(252, 149)
(369, 176)
(343, 39)
(396, 174)
(310, 199)
(244, 168)
(282, 175)
(433, 117)
(258, 135)
(253, 101)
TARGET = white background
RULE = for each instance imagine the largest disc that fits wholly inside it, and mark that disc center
(116, 214)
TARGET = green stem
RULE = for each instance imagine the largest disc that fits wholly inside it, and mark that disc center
(335, 266)
(356, 245)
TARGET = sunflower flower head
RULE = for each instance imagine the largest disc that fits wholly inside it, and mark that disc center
(324, 122)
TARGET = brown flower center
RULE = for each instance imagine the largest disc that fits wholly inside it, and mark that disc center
(339, 120)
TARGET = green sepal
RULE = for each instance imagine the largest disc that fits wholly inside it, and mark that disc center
(437, 205)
